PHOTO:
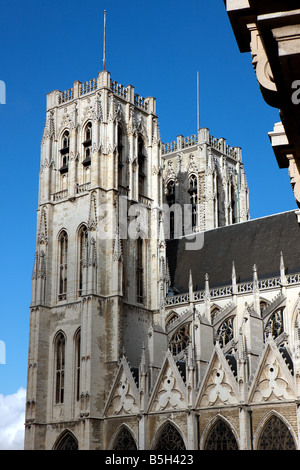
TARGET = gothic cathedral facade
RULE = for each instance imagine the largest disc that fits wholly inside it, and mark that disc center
(158, 319)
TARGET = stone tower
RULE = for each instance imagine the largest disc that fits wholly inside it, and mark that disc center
(208, 175)
(99, 273)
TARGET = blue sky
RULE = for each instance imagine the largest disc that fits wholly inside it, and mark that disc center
(156, 46)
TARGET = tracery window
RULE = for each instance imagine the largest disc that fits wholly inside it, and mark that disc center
(274, 326)
(276, 436)
(193, 190)
(221, 438)
(64, 151)
(125, 441)
(68, 442)
(225, 332)
(63, 265)
(60, 345)
(83, 237)
(170, 439)
(87, 144)
(180, 340)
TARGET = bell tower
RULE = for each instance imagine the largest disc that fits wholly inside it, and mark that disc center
(97, 275)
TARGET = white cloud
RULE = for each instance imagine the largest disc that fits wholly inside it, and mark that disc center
(12, 418)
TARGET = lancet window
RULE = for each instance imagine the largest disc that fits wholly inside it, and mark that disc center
(170, 196)
(140, 270)
(83, 237)
(120, 155)
(193, 191)
(60, 344)
(87, 145)
(233, 205)
(63, 266)
(65, 151)
(77, 363)
(141, 166)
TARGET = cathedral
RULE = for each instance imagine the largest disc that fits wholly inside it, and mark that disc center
(162, 317)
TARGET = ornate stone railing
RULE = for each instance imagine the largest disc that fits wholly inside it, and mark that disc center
(189, 141)
(225, 291)
(92, 85)
(118, 89)
(60, 195)
(185, 142)
(146, 201)
(88, 87)
(66, 96)
(82, 188)
(169, 148)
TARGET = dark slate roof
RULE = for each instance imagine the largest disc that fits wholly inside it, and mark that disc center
(258, 241)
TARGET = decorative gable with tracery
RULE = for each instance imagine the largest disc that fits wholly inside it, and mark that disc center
(219, 385)
(273, 380)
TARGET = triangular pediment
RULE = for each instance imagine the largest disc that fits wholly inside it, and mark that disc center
(124, 396)
(273, 380)
(169, 392)
(219, 386)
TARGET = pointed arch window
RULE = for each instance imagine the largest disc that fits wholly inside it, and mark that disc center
(67, 442)
(217, 200)
(63, 265)
(225, 332)
(83, 238)
(140, 270)
(125, 441)
(141, 166)
(276, 436)
(274, 327)
(221, 438)
(87, 144)
(120, 154)
(65, 151)
(60, 345)
(193, 191)
(170, 439)
(180, 340)
(170, 196)
(77, 363)
(233, 205)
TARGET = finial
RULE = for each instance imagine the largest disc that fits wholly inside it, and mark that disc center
(233, 271)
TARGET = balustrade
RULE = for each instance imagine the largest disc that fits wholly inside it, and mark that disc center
(225, 291)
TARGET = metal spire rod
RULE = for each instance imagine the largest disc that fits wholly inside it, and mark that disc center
(198, 112)
(104, 41)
